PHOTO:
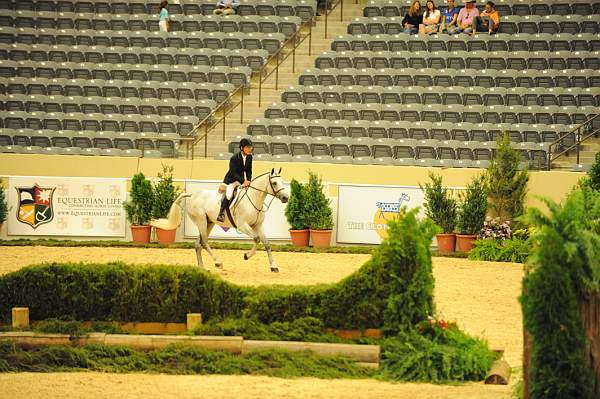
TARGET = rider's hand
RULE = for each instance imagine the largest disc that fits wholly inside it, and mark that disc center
(246, 183)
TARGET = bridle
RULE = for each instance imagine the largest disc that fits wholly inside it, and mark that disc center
(273, 195)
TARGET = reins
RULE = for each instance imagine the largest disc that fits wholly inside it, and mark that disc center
(273, 196)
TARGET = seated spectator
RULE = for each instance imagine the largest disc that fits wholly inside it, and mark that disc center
(431, 19)
(163, 17)
(413, 18)
(322, 7)
(488, 20)
(226, 7)
(449, 17)
(464, 21)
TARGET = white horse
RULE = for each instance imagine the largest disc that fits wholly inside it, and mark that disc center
(246, 210)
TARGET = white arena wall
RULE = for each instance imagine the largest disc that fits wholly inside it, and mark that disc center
(366, 194)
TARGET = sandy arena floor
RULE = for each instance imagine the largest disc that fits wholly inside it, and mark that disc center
(482, 297)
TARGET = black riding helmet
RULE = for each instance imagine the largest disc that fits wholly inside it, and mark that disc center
(246, 143)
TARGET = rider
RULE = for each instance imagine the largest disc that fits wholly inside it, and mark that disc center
(240, 164)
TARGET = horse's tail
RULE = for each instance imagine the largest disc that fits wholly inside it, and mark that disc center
(173, 219)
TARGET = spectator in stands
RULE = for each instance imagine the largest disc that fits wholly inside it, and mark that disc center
(226, 7)
(322, 7)
(488, 20)
(163, 17)
(431, 19)
(449, 18)
(464, 21)
(413, 18)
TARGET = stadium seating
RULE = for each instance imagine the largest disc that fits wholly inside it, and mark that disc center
(383, 97)
(99, 78)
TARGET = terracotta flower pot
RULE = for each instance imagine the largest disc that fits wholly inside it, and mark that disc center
(141, 234)
(464, 242)
(446, 242)
(321, 238)
(300, 238)
(165, 236)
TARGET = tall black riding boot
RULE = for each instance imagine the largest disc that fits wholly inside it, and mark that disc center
(224, 205)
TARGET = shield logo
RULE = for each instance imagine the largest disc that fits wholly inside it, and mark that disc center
(35, 205)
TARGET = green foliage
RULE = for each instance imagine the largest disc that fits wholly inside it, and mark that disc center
(473, 206)
(447, 356)
(139, 206)
(3, 204)
(432, 354)
(319, 214)
(165, 193)
(506, 184)
(175, 359)
(593, 176)
(119, 292)
(308, 329)
(565, 267)
(393, 290)
(75, 328)
(509, 250)
(296, 211)
(439, 206)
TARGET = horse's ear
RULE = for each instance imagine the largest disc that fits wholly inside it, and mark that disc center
(279, 171)
(272, 171)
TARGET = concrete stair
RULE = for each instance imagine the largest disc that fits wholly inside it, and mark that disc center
(587, 155)
(235, 123)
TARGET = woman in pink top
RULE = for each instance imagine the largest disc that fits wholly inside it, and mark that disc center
(464, 22)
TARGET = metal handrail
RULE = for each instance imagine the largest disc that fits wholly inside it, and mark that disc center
(579, 138)
(333, 7)
(280, 60)
(263, 75)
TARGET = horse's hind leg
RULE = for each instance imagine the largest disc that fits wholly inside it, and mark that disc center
(207, 247)
(204, 228)
(198, 247)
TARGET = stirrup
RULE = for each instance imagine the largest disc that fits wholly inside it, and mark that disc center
(221, 217)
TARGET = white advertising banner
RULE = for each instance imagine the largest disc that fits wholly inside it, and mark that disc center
(275, 224)
(363, 211)
(48, 206)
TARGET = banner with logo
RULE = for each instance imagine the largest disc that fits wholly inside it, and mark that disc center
(86, 207)
(275, 224)
(363, 211)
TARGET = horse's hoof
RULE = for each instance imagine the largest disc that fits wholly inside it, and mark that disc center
(275, 270)
(246, 257)
(219, 265)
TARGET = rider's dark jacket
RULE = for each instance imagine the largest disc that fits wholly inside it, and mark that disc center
(237, 169)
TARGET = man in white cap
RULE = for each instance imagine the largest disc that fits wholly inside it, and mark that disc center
(466, 17)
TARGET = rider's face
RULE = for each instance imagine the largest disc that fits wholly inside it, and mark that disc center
(247, 150)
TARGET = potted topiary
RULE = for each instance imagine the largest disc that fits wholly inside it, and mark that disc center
(3, 205)
(295, 213)
(165, 193)
(472, 210)
(441, 208)
(139, 208)
(319, 213)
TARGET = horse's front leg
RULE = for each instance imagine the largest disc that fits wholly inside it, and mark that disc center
(262, 236)
(250, 232)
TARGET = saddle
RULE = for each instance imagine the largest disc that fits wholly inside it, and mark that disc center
(229, 191)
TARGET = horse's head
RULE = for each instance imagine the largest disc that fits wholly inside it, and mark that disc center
(276, 187)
